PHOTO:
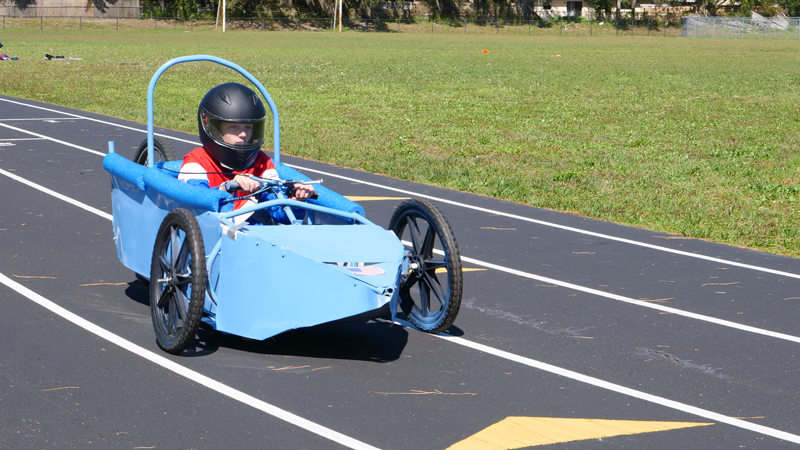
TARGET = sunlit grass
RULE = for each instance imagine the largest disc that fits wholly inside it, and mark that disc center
(690, 136)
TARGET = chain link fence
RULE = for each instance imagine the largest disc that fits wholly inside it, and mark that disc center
(741, 27)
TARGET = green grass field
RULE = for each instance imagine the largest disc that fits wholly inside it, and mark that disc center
(694, 137)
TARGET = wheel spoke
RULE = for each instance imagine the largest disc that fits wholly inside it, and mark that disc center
(182, 303)
(414, 230)
(183, 256)
(173, 254)
(432, 265)
(433, 283)
(173, 315)
(183, 279)
(405, 289)
(162, 261)
(427, 243)
(424, 298)
(162, 300)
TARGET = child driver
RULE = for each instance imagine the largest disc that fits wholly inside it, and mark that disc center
(231, 120)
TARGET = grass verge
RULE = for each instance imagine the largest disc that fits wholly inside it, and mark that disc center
(689, 136)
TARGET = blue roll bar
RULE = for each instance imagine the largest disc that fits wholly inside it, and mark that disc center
(276, 133)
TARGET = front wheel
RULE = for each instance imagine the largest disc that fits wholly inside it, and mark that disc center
(177, 281)
(163, 152)
(430, 295)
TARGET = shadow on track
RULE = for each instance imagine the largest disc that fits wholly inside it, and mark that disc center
(376, 341)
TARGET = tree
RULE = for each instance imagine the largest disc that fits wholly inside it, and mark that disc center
(601, 5)
(792, 7)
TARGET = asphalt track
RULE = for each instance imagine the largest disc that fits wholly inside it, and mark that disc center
(569, 318)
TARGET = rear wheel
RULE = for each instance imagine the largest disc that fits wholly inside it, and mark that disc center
(163, 152)
(177, 281)
(430, 295)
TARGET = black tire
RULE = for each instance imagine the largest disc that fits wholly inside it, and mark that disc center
(420, 225)
(163, 152)
(177, 281)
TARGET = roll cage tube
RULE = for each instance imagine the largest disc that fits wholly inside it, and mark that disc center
(276, 132)
(224, 218)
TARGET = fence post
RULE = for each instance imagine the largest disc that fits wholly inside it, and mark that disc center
(666, 24)
(590, 28)
(41, 23)
(529, 27)
(648, 25)
(497, 26)
(560, 27)
(465, 26)
(431, 25)
(80, 22)
(617, 22)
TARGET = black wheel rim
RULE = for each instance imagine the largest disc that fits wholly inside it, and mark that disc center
(423, 292)
(173, 286)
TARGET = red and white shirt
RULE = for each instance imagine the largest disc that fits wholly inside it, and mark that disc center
(200, 169)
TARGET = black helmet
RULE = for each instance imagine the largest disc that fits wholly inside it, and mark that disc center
(222, 108)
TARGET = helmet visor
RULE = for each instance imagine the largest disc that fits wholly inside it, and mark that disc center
(237, 134)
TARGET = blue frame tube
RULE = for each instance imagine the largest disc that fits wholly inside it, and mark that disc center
(223, 218)
(276, 132)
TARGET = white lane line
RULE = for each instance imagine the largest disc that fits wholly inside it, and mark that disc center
(555, 225)
(52, 139)
(34, 118)
(478, 262)
(104, 122)
(620, 389)
(23, 139)
(632, 301)
(190, 374)
(467, 206)
(69, 200)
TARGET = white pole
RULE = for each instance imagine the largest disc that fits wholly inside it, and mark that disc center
(335, 5)
(340, 16)
(216, 24)
(223, 15)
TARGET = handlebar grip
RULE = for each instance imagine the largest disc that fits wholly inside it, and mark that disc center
(314, 196)
(231, 186)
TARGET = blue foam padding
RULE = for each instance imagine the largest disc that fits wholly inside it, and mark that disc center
(171, 167)
(167, 184)
(125, 169)
(326, 197)
(207, 199)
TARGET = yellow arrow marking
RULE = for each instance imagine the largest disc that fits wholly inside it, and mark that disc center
(357, 198)
(465, 269)
(520, 432)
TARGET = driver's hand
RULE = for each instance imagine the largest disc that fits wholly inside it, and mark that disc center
(246, 184)
(302, 191)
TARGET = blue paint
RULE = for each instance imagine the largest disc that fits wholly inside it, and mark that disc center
(279, 282)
